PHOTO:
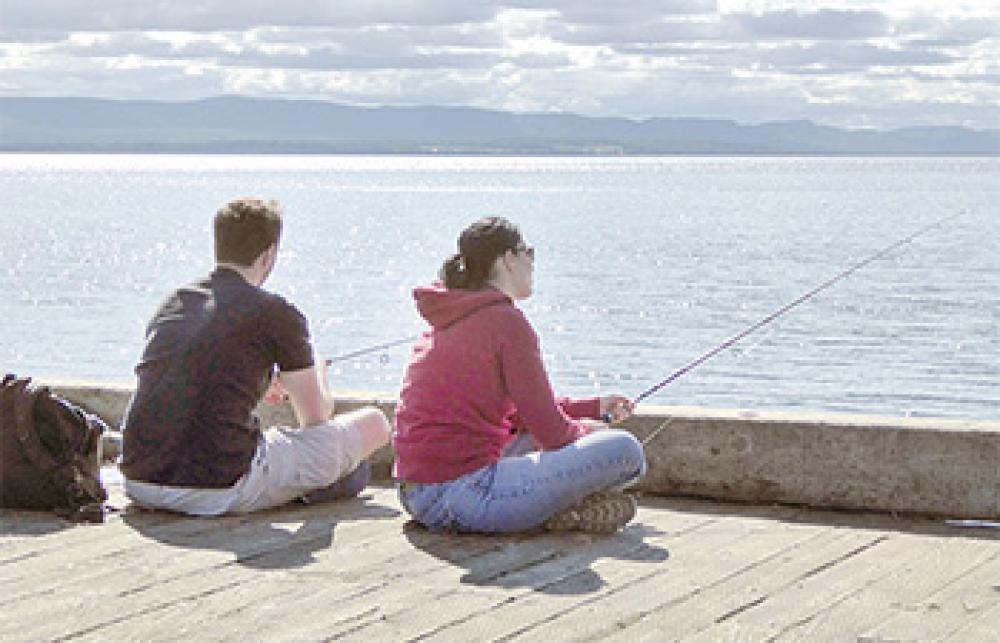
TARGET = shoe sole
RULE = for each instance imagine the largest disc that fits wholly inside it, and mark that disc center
(601, 513)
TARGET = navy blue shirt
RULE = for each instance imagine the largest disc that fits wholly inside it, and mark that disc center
(210, 350)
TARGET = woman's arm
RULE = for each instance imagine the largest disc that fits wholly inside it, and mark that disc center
(528, 385)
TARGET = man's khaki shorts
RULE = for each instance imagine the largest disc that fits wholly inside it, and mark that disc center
(287, 464)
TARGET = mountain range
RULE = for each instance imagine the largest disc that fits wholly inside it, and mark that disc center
(233, 124)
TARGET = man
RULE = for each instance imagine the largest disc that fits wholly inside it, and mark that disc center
(191, 441)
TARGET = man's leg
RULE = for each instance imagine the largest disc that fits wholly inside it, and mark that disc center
(293, 462)
(185, 500)
(347, 487)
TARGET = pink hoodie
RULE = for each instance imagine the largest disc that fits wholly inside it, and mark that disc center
(473, 378)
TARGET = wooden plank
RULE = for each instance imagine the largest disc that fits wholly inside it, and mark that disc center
(725, 594)
(135, 549)
(470, 612)
(716, 554)
(411, 585)
(584, 569)
(198, 599)
(909, 585)
(441, 569)
(686, 613)
(157, 573)
(553, 586)
(29, 531)
(817, 592)
(982, 627)
(29, 534)
(317, 602)
(86, 542)
(567, 563)
(688, 568)
(961, 598)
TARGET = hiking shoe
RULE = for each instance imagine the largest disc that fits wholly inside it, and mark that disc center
(603, 512)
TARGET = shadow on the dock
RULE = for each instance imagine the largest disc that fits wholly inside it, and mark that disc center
(919, 525)
(284, 538)
(17, 522)
(547, 562)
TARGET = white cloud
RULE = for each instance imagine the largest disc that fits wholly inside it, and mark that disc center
(824, 24)
(211, 15)
(886, 63)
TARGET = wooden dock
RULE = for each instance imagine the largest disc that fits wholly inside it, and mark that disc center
(359, 570)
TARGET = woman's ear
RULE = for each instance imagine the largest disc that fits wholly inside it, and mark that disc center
(507, 257)
(498, 266)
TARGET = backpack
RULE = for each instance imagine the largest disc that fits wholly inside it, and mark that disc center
(49, 453)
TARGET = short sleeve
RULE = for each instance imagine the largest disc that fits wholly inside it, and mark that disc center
(289, 336)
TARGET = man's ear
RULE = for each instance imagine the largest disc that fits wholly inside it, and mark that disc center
(269, 256)
(264, 263)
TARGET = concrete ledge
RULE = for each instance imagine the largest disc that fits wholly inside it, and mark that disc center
(937, 467)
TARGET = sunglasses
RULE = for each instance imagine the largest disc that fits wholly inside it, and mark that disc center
(528, 250)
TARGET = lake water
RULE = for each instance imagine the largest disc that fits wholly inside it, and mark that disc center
(642, 265)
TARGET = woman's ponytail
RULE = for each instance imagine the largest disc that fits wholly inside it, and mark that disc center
(453, 272)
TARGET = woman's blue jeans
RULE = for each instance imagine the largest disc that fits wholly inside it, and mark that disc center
(525, 487)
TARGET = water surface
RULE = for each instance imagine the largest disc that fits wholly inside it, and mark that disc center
(643, 264)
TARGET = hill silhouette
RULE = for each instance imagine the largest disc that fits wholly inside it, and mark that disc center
(232, 124)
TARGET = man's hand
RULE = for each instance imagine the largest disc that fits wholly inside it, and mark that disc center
(276, 393)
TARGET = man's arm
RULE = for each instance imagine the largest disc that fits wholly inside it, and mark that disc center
(308, 394)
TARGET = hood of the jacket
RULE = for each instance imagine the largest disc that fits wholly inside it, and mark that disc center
(442, 307)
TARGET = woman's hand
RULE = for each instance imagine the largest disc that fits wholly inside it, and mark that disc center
(616, 408)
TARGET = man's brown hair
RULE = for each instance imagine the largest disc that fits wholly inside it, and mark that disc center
(244, 228)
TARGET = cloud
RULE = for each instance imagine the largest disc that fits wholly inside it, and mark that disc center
(825, 24)
(477, 35)
(351, 51)
(951, 30)
(842, 62)
(841, 57)
(575, 12)
(739, 27)
(208, 15)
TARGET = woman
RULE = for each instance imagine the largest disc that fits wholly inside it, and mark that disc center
(481, 443)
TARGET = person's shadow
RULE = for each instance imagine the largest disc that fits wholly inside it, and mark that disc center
(281, 538)
(549, 562)
(34, 522)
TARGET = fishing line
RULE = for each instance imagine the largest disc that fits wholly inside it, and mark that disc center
(649, 438)
(784, 309)
(371, 349)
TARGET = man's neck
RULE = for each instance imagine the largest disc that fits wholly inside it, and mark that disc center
(249, 273)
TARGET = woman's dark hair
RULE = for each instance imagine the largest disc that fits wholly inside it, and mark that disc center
(244, 228)
(478, 247)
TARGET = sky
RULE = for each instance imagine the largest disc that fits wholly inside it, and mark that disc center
(848, 63)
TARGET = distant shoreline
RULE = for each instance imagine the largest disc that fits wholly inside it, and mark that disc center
(241, 125)
(497, 154)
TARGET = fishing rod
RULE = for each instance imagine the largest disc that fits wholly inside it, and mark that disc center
(690, 366)
(738, 337)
